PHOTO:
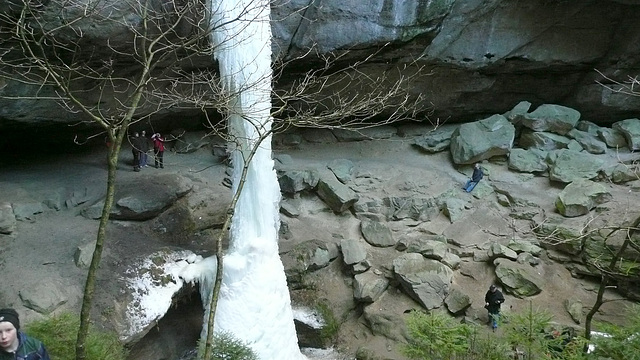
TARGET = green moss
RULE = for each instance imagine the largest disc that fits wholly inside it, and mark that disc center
(331, 323)
(59, 333)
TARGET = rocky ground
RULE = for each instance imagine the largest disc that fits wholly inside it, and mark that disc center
(37, 258)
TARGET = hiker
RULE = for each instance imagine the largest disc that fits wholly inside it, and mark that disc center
(14, 344)
(158, 149)
(135, 149)
(493, 299)
(475, 178)
(144, 148)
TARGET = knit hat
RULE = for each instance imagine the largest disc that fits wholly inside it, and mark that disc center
(11, 316)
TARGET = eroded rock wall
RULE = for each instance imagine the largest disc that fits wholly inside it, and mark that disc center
(482, 56)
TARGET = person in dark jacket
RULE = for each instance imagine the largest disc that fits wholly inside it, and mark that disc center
(136, 145)
(144, 149)
(475, 178)
(493, 299)
(14, 344)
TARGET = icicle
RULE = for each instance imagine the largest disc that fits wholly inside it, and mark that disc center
(254, 301)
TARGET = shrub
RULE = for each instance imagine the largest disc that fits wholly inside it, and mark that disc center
(622, 342)
(536, 338)
(59, 334)
(488, 348)
(436, 336)
(227, 347)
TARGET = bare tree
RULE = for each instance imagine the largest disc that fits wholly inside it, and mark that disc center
(160, 61)
(110, 83)
(630, 86)
(617, 264)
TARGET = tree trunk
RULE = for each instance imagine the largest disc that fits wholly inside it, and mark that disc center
(90, 284)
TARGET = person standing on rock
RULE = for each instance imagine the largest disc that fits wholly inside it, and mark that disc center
(14, 344)
(475, 178)
(158, 149)
(493, 299)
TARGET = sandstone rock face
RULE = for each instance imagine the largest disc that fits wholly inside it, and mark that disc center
(482, 140)
(531, 160)
(368, 287)
(425, 280)
(7, 218)
(630, 128)
(486, 55)
(553, 118)
(133, 202)
(521, 280)
(579, 197)
(338, 196)
(571, 165)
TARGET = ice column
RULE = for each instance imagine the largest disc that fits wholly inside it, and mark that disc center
(254, 301)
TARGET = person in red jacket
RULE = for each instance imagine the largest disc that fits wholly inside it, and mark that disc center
(158, 149)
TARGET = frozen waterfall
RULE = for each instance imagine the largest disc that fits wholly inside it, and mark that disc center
(254, 301)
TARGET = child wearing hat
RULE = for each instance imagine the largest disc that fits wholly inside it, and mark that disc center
(14, 344)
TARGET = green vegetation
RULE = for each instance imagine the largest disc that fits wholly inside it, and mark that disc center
(59, 334)
(527, 336)
(228, 347)
(331, 324)
(622, 342)
(436, 336)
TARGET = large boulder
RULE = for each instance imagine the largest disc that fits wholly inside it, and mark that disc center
(570, 165)
(307, 256)
(480, 140)
(435, 141)
(457, 301)
(26, 211)
(335, 194)
(562, 234)
(542, 140)
(412, 207)
(630, 129)
(521, 280)
(552, 118)
(293, 181)
(588, 141)
(376, 233)
(135, 202)
(426, 281)
(342, 169)
(516, 114)
(45, 296)
(431, 249)
(7, 219)
(621, 173)
(580, 196)
(612, 137)
(525, 246)
(368, 287)
(530, 161)
(353, 251)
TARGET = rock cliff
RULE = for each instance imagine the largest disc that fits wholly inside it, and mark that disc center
(482, 56)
